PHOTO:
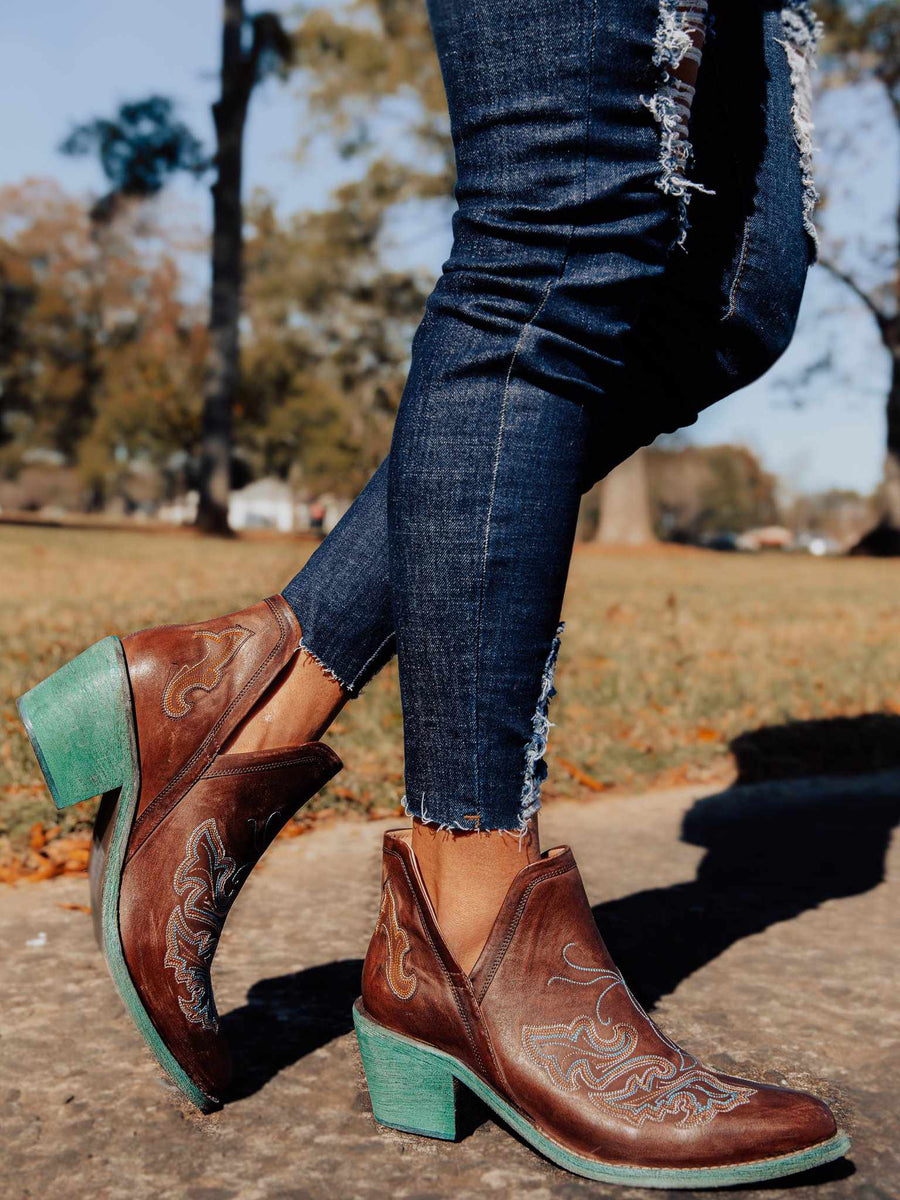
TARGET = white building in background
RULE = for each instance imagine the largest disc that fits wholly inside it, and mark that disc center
(263, 504)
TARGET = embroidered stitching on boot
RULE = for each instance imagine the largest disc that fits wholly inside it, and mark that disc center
(206, 674)
(617, 1079)
(402, 983)
(208, 879)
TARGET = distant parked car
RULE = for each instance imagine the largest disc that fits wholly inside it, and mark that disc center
(768, 537)
(722, 540)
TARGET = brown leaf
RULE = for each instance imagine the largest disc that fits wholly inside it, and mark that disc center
(576, 772)
(704, 733)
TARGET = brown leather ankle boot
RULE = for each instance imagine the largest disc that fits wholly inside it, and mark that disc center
(181, 825)
(547, 1034)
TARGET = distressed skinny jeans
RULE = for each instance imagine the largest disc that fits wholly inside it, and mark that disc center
(628, 249)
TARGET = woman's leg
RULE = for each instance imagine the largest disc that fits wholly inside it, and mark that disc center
(518, 372)
(493, 517)
(569, 201)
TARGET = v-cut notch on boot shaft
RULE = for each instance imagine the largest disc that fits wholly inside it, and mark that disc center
(546, 1031)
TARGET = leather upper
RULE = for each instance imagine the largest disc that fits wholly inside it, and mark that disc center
(547, 1020)
(411, 982)
(203, 818)
(177, 889)
(191, 686)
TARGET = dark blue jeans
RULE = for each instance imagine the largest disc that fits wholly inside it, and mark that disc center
(627, 250)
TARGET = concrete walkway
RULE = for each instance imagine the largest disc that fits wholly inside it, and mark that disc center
(762, 923)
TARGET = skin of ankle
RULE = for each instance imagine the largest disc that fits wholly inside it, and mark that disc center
(298, 708)
(467, 875)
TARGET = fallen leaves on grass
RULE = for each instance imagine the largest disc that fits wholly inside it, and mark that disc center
(47, 856)
(669, 655)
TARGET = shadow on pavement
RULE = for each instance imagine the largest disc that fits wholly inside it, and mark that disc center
(778, 842)
(288, 1017)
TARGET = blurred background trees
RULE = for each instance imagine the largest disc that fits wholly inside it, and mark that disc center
(117, 374)
(100, 359)
(103, 366)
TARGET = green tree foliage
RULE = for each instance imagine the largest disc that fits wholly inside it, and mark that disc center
(330, 321)
(330, 328)
(139, 150)
(356, 57)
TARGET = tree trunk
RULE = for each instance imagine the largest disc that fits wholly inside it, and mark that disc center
(892, 454)
(222, 367)
(625, 505)
(884, 540)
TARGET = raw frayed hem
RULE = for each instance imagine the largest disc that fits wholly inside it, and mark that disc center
(671, 105)
(536, 748)
(466, 825)
(325, 669)
(802, 34)
(419, 812)
(372, 666)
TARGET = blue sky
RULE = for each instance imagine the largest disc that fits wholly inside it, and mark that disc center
(65, 61)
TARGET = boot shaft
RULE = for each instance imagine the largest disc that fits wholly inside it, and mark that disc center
(192, 685)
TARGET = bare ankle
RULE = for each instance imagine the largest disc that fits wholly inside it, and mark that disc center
(467, 876)
(297, 709)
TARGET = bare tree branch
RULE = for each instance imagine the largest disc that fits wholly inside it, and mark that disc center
(847, 279)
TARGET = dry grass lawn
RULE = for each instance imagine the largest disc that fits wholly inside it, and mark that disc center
(667, 656)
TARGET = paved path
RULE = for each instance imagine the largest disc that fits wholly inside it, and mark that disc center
(764, 924)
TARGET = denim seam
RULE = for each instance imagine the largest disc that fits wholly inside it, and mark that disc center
(487, 532)
(355, 686)
(748, 203)
(739, 273)
(505, 401)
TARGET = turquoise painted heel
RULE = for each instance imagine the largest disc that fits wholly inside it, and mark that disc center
(78, 721)
(410, 1089)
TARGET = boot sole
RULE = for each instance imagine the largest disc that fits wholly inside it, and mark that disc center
(413, 1088)
(80, 722)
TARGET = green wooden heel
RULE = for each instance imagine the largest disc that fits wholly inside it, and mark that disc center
(78, 723)
(410, 1088)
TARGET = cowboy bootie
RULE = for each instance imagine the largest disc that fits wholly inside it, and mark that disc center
(142, 721)
(547, 1034)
